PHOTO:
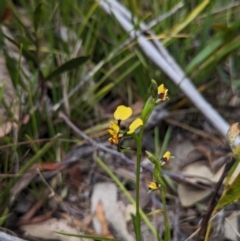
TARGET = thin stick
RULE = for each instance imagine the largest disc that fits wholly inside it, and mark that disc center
(91, 141)
(52, 193)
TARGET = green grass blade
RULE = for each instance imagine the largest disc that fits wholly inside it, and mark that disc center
(38, 15)
(68, 66)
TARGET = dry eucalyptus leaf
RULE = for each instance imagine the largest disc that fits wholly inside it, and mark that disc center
(189, 195)
(106, 193)
(47, 230)
(201, 172)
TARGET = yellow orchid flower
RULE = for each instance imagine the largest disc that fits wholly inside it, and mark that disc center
(162, 93)
(152, 186)
(134, 125)
(166, 157)
(122, 113)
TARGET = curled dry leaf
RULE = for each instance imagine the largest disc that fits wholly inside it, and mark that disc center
(200, 173)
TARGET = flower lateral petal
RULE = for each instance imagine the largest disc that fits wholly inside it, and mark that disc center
(122, 113)
(162, 93)
(113, 129)
(134, 125)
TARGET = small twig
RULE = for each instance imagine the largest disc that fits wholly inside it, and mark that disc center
(91, 141)
(192, 235)
(52, 193)
(213, 202)
(191, 129)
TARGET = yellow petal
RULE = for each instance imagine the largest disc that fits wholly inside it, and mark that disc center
(162, 93)
(113, 129)
(122, 113)
(134, 125)
(152, 186)
(166, 157)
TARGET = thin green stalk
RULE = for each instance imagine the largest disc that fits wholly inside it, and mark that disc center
(33, 116)
(127, 194)
(163, 192)
(138, 172)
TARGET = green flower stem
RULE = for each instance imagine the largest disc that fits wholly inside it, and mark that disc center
(126, 193)
(138, 140)
(163, 191)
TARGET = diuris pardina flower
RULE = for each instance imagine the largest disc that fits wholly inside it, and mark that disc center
(162, 93)
(165, 157)
(122, 113)
(152, 186)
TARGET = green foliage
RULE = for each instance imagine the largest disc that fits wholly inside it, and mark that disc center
(232, 188)
(67, 66)
(231, 194)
